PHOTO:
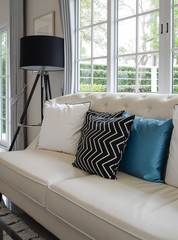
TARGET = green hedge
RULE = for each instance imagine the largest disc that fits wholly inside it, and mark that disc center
(126, 78)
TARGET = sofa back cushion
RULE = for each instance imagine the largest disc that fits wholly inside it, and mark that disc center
(159, 106)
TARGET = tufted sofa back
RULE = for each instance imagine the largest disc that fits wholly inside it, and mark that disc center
(145, 105)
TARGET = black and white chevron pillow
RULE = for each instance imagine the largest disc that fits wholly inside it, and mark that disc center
(102, 145)
(93, 113)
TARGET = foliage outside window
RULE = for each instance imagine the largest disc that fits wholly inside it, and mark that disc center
(4, 88)
(137, 50)
(175, 45)
(138, 45)
(92, 63)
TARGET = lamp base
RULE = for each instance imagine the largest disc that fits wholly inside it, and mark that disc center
(45, 85)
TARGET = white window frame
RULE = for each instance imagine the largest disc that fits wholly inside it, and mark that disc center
(5, 143)
(173, 49)
(165, 46)
(165, 56)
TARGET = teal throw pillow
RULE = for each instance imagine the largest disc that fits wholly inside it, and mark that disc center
(147, 148)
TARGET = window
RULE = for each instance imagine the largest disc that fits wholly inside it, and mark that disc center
(127, 45)
(138, 46)
(174, 47)
(92, 54)
(4, 87)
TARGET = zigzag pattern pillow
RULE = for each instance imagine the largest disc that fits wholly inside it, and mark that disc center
(102, 145)
(92, 113)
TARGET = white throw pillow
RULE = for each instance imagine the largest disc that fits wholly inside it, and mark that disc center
(172, 164)
(61, 127)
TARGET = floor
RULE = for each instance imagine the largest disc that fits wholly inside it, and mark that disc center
(29, 221)
(5, 237)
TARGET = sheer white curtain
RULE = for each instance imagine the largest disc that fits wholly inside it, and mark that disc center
(67, 12)
(17, 75)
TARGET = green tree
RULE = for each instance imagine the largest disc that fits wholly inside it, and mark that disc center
(99, 13)
(3, 77)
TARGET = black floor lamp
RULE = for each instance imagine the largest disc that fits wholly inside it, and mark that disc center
(42, 54)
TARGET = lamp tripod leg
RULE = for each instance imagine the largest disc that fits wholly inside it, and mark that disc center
(24, 112)
(42, 97)
(49, 86)
(46, 87)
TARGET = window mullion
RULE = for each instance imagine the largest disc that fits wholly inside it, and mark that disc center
(111, 63)
(137, 42)
(168, 47)
(92, 15)
(76, 40)
(165, 85)
(161, 46)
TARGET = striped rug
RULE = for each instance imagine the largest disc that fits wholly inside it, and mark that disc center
(12, 223)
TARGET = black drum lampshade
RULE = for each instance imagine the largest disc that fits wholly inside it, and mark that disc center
(42, 52)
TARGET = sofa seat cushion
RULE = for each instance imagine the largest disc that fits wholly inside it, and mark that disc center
(31, 171)
(98, 206)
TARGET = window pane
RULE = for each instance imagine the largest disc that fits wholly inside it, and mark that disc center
(126, 8)
(85, 43)
(3, 67)
(149, 32)
(175, 34)
(100, 75)
(0, 66)
(3, 134)
(3, 114)
(99, 11)
(127, 36)
(100, 40)
(148, 73)
(148, 5)
(3, 88)
(4, 43)
(175, 1)
(126, 74)
(4, 102)
(85, 13)
(85, 76)
(175, 72)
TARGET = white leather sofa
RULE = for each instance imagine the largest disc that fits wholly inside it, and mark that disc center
(73, 204)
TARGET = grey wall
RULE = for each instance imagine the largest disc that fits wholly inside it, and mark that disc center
(4, 12)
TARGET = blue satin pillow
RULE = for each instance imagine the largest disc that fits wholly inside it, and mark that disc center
(147, 148)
